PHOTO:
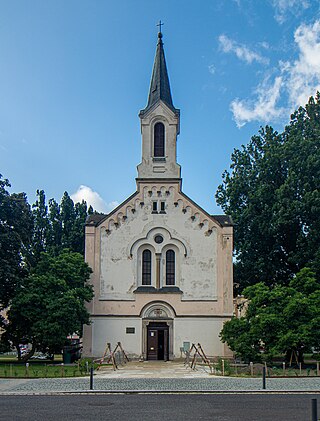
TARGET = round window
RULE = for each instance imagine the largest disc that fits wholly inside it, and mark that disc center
(158, 239)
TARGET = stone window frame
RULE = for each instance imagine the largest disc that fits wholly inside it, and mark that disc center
(141, 249)
(163, 267)
(159, 140)
(158, 250)
(170, 272)
(146, 271)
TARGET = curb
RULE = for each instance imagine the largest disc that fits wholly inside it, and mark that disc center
(163, 392)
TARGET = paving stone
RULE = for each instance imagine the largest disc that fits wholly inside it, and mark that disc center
(156, 377)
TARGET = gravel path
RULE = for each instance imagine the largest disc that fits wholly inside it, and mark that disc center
(159, 384)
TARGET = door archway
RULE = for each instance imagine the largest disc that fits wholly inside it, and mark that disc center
(157, 331)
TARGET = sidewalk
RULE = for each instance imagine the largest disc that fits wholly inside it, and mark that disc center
(154, 370)
(157, 377)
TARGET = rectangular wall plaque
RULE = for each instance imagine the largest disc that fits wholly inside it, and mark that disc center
(130, 330)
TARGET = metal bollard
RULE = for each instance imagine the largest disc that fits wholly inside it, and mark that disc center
(264, 377)
(314, 410)
(91, 378)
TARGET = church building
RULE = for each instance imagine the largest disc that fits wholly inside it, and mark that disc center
(162, 265)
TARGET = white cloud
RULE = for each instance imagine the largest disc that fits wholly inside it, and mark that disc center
(262, 108)
(264, 45)
(296, 80)
(284, 7)
(241, 51)
(211, 69)
(94, 199)
(304, 74)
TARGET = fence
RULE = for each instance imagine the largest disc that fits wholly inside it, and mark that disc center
(227, 367)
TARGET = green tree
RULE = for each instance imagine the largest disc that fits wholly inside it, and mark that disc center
(54, 237)
(67, 217)
(280, 319)
(272, 193)
(41, 226)
(16, 225)
(58, 226)
(78, 240)
(50, 304)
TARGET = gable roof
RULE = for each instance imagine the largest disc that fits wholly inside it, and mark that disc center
(99, 218)
(222, 220)
(94, 219)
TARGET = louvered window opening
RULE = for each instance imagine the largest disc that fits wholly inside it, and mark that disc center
(159, 140)
(170, 267)
(146, 267)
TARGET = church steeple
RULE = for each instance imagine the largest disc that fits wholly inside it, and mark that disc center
(160, 122)
(160, 85)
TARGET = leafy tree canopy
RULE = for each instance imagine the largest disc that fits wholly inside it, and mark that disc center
(49, 305)
(58, 226)
(16, 226)
(279, 320)
(43, 285)
(272, 193)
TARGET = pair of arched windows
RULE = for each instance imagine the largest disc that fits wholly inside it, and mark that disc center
(158, 141)
(170, 273)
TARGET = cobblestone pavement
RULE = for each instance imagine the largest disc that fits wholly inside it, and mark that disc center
(156, 377)
(154, 369)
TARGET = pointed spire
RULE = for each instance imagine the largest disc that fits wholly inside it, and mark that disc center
(159, 86)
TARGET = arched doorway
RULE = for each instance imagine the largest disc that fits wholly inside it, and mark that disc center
(157, 331)
(158, 341)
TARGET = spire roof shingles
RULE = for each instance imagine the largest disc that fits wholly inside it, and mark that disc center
(159, 86)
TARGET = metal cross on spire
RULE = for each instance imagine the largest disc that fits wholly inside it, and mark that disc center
(160, 24)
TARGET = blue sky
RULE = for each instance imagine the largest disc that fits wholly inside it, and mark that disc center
(75, 73)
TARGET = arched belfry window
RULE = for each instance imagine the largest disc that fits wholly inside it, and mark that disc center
(170, 267)
(158, 149)
(146, 267)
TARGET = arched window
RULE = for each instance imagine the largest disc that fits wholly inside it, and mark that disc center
(146, 267)
(158, 149)
(170, 267)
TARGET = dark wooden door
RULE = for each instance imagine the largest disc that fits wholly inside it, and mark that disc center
(158, 341)
(166, 344)
(152, 344)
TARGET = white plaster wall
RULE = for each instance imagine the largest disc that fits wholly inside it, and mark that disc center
(196, 271)
(169, 168)
(113, 330)
(194, 330)
(117, 279)
(199, 330)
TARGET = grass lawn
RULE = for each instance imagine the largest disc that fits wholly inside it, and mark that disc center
(7, 359)
(37, 370)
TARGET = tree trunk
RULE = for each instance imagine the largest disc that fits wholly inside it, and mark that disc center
(300, 356)
(28, 355)
(18, 351)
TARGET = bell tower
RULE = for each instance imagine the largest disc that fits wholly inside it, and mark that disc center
(160, 125)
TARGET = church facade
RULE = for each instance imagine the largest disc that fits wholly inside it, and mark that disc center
(162, 266)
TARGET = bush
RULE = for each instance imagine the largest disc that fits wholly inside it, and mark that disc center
(86, 363)
(227, 367)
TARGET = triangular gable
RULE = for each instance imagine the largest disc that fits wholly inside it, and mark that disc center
(91, 221)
